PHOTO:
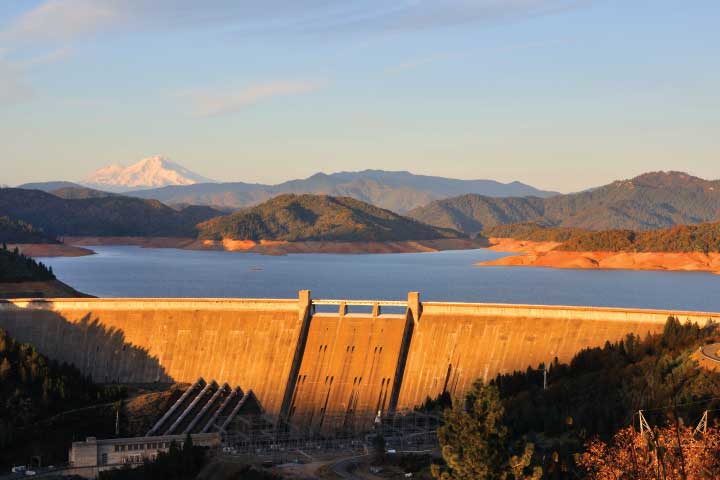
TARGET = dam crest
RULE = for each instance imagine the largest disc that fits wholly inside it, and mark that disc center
(306, 358)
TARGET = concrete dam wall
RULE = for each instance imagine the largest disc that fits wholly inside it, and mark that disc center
(305, 358)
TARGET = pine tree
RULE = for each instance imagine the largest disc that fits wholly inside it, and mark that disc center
(379, 445)
(188, 456)
(473, 438)
(46, 389)
(5, 369)
(474, 441)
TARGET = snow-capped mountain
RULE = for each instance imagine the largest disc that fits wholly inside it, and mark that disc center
(150, 172)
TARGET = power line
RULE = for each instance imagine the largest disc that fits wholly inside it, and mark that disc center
(671, 407)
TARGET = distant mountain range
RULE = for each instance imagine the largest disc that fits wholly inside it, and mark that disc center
(150, 172)
(650, 201)
(67, 190)
(48, 186)
(396, 191)
(307, 217)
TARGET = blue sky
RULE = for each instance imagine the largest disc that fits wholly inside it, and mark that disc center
(561, 94)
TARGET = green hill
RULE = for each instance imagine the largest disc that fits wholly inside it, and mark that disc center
(17, 231)
(531, 231)
(650, 201)
(319, 217)
(472, 213)
(101, 216)
(704, 238)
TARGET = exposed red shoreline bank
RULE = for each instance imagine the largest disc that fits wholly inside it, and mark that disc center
(51, 250)
(283, 248)
(542, 254)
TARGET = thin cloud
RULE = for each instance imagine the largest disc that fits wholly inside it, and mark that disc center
(47, 58)
(14, 84)
(50, 30)
(419, 62)
(61, 20)
(431, 14)
(14, 87)
(70, 20)
(208, 105)
(430, 59)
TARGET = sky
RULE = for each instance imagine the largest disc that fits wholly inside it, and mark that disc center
(560, 94)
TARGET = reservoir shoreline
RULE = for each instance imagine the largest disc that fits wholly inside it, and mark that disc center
(133, 271)
(77, 246)
(543, 254)
(527, 253)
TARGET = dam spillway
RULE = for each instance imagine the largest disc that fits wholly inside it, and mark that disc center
(306, 358)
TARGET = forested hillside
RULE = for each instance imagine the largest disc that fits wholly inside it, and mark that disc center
(515, 425)
(704, 238)
(650, 201)
(286, 217)
(101, 216)
(472, 213)
(33, 389)
(16, 267)
(532, 231)
(18, 231)
(319, 217)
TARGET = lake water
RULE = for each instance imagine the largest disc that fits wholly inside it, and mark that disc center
(444, 276)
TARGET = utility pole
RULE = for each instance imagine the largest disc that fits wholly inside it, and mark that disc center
(118, 405)
(702, 425)
(644, 426)
(544, 372)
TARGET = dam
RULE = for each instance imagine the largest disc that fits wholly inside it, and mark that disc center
(306, 358)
